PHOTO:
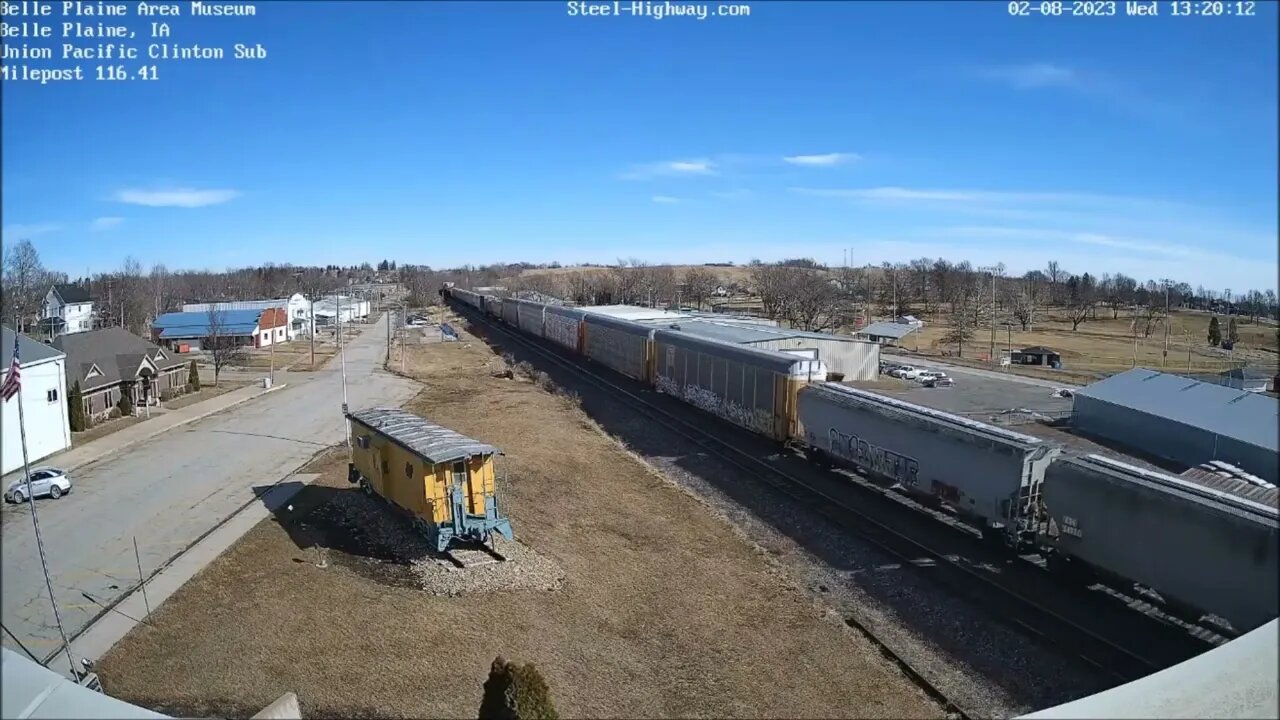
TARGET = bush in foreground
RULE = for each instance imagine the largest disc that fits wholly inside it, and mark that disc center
(516, 693)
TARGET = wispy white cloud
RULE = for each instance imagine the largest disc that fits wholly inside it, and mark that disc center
(178, 197)
(826, 160)
(105, 223)
(666, 199)
(1048, 235)
(921, 195)
(1026, 76)
(19, 231)
(670, 168)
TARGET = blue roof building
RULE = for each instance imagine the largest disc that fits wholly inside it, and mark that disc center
(196, 325)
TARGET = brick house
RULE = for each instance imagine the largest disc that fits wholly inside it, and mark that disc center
(111, 363)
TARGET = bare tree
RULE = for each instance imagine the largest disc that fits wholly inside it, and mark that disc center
(770, 283)
(699, 284)
(1022, 304)
(25, 283)
(1055, 275)
(966, 302)
(627, 275)
(1081, 298)
(220, 346)
(159, 286)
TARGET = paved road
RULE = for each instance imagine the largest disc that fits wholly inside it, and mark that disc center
(171, 489)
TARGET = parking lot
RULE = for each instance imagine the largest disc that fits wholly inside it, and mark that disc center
(976, 393)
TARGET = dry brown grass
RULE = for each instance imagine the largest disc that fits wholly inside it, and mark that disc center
(665, 610)
(206, 392)
(1106, 345)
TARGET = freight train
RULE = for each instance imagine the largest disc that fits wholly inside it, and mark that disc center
(1202, 549)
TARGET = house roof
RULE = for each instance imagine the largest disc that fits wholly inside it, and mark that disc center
(30, 351)
(1244, 416)
(431, 442)
(888, 329)
(34, 691)
(196, 324)
(1039, 350)
(72, 293)
(117, 353)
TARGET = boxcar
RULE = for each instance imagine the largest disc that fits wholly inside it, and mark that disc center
(620, 345)
(530, 315)
(755, 389)
(510, 312)
(1201, 549)
(444, 481)
(563, 326)
(989, 476)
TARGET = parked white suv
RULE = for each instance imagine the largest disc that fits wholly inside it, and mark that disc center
(906, 372)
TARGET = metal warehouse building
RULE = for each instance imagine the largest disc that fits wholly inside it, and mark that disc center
(855, 359)
(1182, 420)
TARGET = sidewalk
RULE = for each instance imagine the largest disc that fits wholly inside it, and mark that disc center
(70, 460)
(96, 639)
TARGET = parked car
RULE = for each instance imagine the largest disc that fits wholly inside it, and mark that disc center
(943, 381)
(44, 481)
(906, 372)
(929, 375)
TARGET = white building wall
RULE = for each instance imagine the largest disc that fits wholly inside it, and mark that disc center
(857, 360)
(47, 425)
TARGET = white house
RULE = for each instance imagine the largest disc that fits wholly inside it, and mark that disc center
(351, 309)
(44, 402)
(296, 305)
(67, 309)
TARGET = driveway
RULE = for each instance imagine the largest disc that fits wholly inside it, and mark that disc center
(172, 489)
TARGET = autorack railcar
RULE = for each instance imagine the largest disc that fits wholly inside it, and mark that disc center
(620, 345)
(755, 389)
(1202, 549)
(989, 476)
(529, 314)
(563, 326)
(511, 312)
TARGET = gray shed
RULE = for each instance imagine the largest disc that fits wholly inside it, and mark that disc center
(1182, 420)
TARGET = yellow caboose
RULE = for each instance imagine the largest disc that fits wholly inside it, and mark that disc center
(445, 481)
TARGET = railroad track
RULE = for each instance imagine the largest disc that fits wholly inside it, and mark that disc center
(1007, 604)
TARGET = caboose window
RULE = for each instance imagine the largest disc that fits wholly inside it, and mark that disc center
(460, 472)
(408, 469)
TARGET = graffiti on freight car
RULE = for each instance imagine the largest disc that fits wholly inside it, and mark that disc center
(562, 330)
(753, 419)
(881, 461)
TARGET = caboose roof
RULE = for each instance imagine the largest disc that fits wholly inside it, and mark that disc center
(423, 438)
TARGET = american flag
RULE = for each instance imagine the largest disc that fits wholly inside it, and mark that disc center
(13, 383)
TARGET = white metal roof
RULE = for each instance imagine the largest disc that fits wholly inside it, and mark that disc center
(1236, 680)
(31, 690)
(632, 313)
(888, 329)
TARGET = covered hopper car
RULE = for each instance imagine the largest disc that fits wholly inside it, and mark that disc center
(1203, 550)
(989, 476)
(444, 481)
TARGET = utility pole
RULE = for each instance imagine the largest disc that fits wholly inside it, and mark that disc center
(895, 293)
(992, 353)
(1165, 358)
(312, 321)
(390, 310)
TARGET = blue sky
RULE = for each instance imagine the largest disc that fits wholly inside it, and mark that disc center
(446, 133)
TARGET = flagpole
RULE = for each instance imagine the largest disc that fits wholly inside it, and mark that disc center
(35, 521)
